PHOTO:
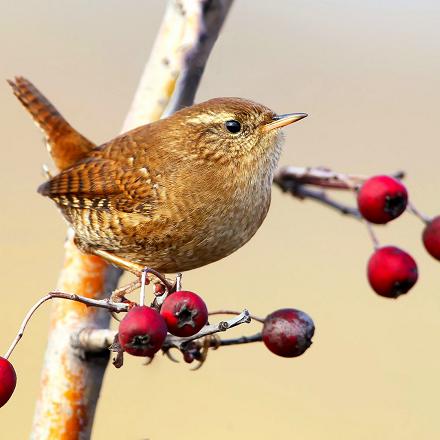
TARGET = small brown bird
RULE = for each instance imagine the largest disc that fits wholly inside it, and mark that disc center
(172, 195)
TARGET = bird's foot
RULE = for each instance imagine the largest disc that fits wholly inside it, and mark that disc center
(118, 295)
(198, 350)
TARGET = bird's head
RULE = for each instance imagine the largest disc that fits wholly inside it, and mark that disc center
(224, 129)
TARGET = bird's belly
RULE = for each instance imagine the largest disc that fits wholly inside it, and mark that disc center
(174, 245)
(189, 247)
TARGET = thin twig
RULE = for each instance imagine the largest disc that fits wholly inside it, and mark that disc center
(103, 303)
(372, 234)
(302, 192)
(296, 181)
(175, 341)
(322, 177)
(178, 283)
(160, 277)
(234, 312)
(24, 323)
(318, 176)
(413, 210)
(237, 341)
(142, 291)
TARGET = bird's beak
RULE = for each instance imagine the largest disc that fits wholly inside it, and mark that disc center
(282, 120)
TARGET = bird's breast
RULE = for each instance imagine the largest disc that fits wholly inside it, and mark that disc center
(219, 218)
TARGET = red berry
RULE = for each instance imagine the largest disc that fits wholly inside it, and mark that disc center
(381, 199)
(391, 271)
(288, 332)
(185, 313)
(8, 380)
(142, 331)
(431, 237)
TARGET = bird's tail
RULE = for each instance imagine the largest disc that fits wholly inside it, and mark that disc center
(65, 144)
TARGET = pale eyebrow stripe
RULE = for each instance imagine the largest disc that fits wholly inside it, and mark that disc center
(207, 118)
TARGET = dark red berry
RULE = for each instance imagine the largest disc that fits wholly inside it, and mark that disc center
(391, 271)
(381, 199)
(288, 332)
(185, 313)
(188, 357)
(142, 331)
(431, 237)
(8, 380)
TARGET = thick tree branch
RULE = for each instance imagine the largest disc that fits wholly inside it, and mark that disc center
(199, 40)
(70, 384)
(174, 69)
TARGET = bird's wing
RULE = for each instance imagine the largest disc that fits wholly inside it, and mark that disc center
(101, 184)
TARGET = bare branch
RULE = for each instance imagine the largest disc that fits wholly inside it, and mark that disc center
(96, 340)
(302, 192)
(234, 312)
(322, 177)
(175, 341)
(297, 182)
(93, 340)
(24, 323)
(413, 210)
(318, 176)
(258, 337)
(198, 44)
(186, 37)
(103, 303)
(372, 234)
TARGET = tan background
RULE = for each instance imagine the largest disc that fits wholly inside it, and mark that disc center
(369, 75)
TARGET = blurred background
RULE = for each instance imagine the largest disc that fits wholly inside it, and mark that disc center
(368, 73)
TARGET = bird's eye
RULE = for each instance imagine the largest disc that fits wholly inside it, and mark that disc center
(233, 126)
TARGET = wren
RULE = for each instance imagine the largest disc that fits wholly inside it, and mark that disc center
(172, 195)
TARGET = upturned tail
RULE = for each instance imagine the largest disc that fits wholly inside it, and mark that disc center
(66, 145)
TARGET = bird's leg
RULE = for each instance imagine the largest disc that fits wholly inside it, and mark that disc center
(202, 353)
(119, 294)
(134, 268)
(210, 341)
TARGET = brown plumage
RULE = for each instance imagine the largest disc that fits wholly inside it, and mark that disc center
(71, 146)
(173, 195)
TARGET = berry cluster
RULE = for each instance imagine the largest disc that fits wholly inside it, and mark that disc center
(392, 271)
(143, 331)
(176, 318)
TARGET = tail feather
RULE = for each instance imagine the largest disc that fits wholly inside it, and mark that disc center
(65, 144)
